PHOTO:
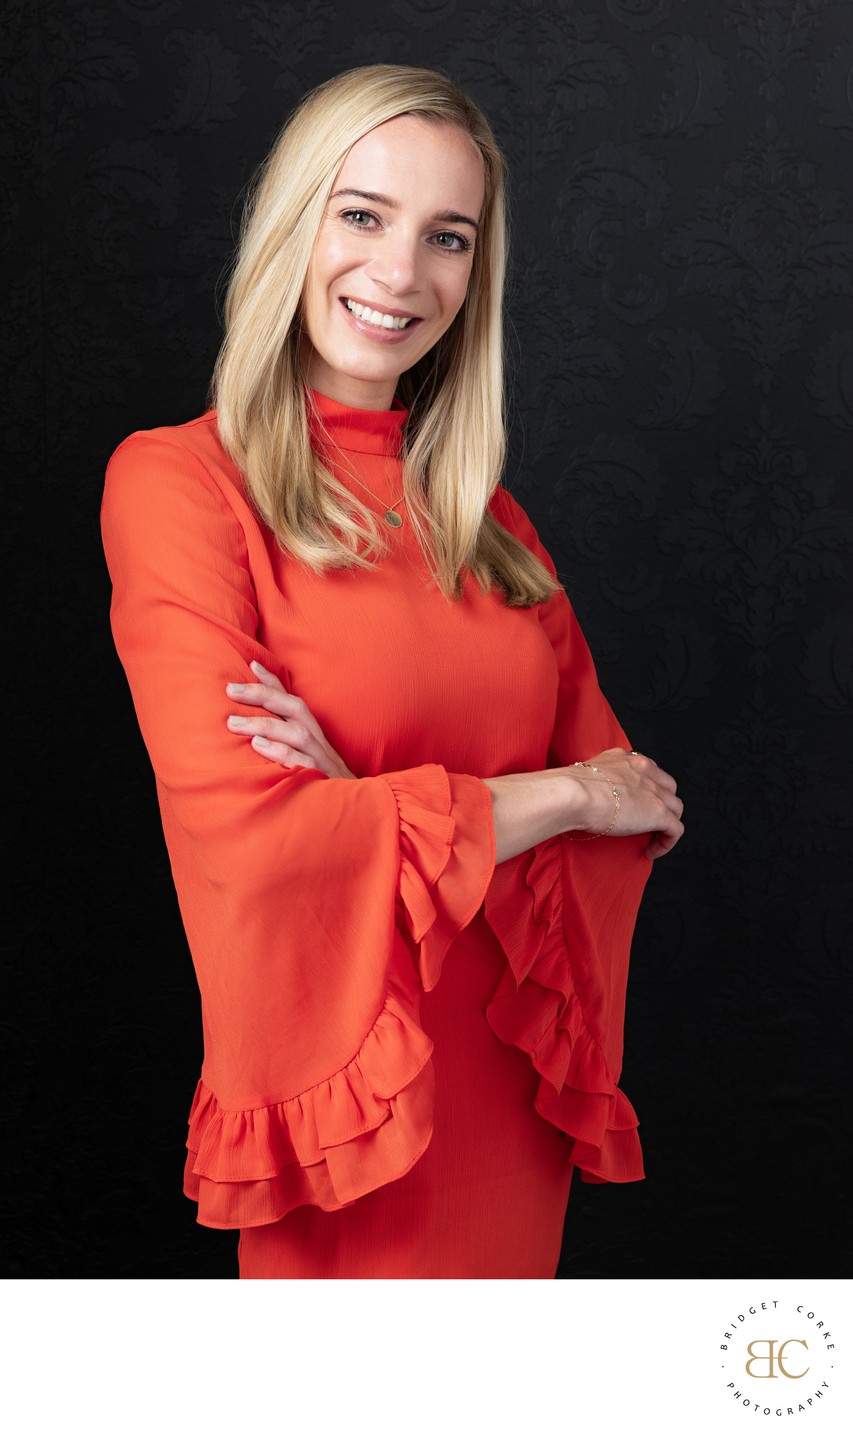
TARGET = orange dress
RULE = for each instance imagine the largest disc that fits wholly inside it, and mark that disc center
(407, 1048)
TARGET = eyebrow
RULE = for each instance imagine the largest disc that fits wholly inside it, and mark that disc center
(447, 216)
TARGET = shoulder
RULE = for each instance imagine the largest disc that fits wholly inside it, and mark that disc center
(505, 508)
(174, 507)
(510, 514)
(182, 461)
(197, 440)
(173, 498)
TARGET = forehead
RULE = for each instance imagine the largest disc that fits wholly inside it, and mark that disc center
(413, 159)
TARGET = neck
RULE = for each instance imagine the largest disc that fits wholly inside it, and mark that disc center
(352, 392)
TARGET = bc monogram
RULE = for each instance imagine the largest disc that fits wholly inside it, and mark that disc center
(772, 1358)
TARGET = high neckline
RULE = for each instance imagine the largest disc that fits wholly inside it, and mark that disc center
(356, 430)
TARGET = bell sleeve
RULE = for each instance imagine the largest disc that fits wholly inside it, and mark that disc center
(316, 909)
(565, 912)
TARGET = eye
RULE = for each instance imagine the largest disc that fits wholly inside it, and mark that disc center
(457, 243)
(358, 218)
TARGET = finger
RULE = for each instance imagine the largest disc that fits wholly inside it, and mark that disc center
(275, 730)
(272, 699)
(649, 768)
(255, 692)
(663, 841)
(281, 753)
(268, 678)
(660, 782)
(673, 806)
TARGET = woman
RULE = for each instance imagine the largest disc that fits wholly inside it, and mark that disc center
(382, 757)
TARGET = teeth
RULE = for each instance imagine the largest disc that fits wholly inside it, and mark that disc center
(371, 316)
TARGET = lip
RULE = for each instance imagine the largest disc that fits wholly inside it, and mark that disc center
(378, 335)
(377, 308)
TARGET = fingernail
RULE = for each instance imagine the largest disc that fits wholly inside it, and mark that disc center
(237, 721)
(235, 687)
(260, 742)
(257, 667)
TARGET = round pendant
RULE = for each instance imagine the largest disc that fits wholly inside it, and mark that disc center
(393, 519)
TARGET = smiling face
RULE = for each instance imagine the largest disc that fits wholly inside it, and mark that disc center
(393, 257)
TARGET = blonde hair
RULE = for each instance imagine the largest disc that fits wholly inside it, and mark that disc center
(455, 438)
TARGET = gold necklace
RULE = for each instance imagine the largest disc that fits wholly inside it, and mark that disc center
(394, 520)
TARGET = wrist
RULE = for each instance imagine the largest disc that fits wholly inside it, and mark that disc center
(594, 803)
(580, 803)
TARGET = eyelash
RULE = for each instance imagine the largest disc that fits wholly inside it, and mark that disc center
(464, 244)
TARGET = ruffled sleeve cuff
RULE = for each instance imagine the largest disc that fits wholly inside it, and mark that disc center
(536, 1008)
(371, 1121)
(447, 858)
(363, 1127)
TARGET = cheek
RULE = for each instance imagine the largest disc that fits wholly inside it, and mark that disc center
(308, 308)
(453, 294)
(326, 263)
(333, 257)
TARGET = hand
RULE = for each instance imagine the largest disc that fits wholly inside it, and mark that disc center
(647, 798)
(291, 737)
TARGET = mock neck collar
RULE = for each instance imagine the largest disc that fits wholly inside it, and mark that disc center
(358, 430)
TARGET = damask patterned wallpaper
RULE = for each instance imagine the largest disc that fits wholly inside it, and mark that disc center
(682, 347)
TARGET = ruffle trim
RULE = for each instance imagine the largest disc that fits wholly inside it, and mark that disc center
(443, 826)
(363, 1127)
(426, 841)
(537, 1009)
(372, 1121)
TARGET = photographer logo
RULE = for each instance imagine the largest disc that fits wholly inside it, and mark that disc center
(778, 1358)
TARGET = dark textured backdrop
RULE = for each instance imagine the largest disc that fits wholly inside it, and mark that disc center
(683, 353)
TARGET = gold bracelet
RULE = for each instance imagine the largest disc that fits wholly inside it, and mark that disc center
(614, 790)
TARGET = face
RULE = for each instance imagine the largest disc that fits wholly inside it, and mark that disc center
(393, 257)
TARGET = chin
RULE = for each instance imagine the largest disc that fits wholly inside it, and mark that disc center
(361, 372)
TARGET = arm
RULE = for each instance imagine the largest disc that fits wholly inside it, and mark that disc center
(564, 912)
(578, 799)
(312, 904)
(527, 807)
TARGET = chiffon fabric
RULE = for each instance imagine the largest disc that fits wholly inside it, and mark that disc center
(408, 1049)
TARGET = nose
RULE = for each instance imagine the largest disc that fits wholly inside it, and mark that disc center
(396, 264)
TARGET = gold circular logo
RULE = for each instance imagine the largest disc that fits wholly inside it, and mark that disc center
(778, 1357)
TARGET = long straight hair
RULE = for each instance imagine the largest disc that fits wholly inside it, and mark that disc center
(455, 437)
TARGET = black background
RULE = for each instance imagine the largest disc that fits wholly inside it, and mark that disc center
(682, 351)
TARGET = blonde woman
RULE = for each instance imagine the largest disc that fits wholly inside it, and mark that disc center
(407, 833)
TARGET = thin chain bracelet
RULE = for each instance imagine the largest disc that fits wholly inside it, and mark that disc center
(614, 790)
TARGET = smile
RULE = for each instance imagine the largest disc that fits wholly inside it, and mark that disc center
(376, 317)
